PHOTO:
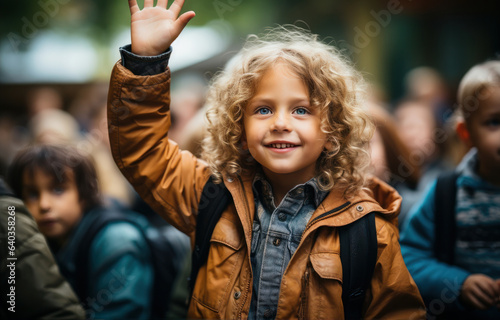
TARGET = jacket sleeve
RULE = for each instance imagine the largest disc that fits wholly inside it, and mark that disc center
(121, 265)
(168, 179)
(39, 289)
(438, 282)
(393, 294)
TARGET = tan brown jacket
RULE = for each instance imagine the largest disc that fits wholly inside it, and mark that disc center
(171, 181)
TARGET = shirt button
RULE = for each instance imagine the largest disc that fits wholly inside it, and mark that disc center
(277, 241)
(359, 208)
(237, 295)
(282, 216)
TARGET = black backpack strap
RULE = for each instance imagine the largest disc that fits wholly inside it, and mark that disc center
(214, 200)
(444, 215)
(358, 254)
(100, 219)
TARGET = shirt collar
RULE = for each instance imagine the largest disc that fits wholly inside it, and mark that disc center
(262, 187)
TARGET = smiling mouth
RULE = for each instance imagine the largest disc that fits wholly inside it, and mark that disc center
(281, 145)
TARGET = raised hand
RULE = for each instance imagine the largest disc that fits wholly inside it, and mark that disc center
(155, 28)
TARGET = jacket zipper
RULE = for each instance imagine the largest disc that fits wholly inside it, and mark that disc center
(247, 289)
(325, 215)
(303, 299)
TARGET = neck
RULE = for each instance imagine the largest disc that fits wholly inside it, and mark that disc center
(282, 183)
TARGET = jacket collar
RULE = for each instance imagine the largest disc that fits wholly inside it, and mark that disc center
(335, 211)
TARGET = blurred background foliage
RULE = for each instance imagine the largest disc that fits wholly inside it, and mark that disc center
(384, 38)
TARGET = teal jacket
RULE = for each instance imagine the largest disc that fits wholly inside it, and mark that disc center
(120, 268)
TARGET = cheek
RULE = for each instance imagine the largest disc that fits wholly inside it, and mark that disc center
(72, 205)
(33, 209)
(316, 136)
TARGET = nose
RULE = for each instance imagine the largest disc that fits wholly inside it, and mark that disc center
(281, 122)
(44, 202)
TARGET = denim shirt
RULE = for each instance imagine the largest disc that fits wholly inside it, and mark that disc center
(276, 235)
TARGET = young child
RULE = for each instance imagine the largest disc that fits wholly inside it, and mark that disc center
(59, 187)
(467, 287)
(29, 272)
(286, 138)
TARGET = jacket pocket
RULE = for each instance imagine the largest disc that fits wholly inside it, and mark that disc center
(321, 296)
(327, 265)
(217, 278)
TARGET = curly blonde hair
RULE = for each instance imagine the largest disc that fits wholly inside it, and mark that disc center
(334, 87)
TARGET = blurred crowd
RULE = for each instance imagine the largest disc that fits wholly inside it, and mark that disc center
(414, 142)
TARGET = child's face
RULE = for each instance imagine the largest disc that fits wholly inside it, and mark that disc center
(55, 206)
(484, 130)
(282, 129)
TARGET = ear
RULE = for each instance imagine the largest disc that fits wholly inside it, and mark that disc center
(463, 133)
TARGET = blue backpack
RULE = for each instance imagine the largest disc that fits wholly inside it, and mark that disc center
(168, 249)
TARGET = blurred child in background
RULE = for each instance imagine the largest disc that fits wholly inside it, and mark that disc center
(464, 284)
(60, 188)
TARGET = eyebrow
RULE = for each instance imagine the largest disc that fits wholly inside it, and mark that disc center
(269, 100)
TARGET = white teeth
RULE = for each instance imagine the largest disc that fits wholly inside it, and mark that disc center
(281, 145)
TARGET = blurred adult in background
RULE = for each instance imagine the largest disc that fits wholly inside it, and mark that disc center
(391, 158)
(427, 85)
(419, 130)
(87, 106)
(56, 126)
(188, 97)
(43, 98)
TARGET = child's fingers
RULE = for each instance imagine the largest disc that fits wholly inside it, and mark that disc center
(148, 3)
(476, 302)
(488, 287)
(176, 7)
(162, 4)
(184, 19)
(133, 6)
(483, 299)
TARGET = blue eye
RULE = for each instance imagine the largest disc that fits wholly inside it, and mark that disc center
(301, 111)
(264, 111)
